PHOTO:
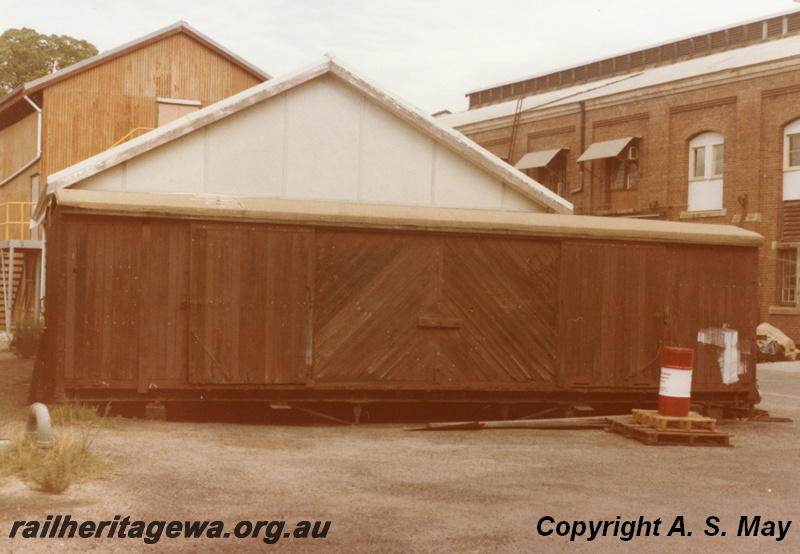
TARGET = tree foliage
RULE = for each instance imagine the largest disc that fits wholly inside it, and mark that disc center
(26, 55)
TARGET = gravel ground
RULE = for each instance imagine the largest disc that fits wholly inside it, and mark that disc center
(385, 489)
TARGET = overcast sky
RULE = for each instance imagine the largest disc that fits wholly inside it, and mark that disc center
(428, 52)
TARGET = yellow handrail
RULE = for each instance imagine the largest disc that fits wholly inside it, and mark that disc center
(126, 137)
(18, 227)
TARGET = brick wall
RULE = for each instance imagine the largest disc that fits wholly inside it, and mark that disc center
(750, 114)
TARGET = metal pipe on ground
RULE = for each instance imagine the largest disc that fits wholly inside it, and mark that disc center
(39, 424)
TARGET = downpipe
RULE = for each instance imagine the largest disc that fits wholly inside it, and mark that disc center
(39, 425)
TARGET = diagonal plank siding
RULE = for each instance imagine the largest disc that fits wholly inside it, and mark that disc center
(377, 292)
(370, 290)
(505, 293)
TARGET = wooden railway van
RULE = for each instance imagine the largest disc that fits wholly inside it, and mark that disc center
(176, 297)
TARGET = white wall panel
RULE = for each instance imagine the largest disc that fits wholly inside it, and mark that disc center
(705, 195)
(245, 151)
(459, 184)
(396, 160)
(791, 185)
(112, 179)
(323, 121)
(516, 202)
(178, 166)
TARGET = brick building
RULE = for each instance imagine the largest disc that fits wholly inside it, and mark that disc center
(701, 129)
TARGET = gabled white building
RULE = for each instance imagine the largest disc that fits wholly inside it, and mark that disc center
(323, 134)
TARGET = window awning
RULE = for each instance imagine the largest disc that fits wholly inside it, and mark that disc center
(535, 160)
(605, 149)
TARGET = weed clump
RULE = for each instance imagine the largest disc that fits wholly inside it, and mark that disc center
(68, 462)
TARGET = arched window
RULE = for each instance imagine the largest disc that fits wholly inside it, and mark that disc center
(706, 166)
(791, 161)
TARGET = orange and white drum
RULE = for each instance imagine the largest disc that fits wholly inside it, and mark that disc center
(675, 392)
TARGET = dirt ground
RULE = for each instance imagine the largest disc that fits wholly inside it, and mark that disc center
(385, 489)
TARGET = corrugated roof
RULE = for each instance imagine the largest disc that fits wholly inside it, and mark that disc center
(721, 64)
(304, 212)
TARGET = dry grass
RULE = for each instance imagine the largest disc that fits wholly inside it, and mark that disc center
(54, 470)
(63, 415)
(70, 460)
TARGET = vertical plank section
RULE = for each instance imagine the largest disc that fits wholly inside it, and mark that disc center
(249, 306)
(60, 312)
(72, 255)
(254, 357)
(197, 254)
(163, 313)
(289, 313)
(177, 333)
(713, 288)
(103, 291)
(612, 314)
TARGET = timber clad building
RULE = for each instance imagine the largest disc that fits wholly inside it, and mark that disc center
(702, 129)
(82, 110)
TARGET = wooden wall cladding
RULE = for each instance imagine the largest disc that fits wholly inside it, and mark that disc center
(506, 293)
(102, 303)
(249, 305)
(157, 304)
(612, 319)
(370, 291)
(443, 310)
(713, 289)
(89, 112)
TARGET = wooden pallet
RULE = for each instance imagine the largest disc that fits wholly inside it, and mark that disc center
(654, 437)
(694, 421)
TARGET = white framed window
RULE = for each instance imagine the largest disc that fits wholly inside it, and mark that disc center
(788, 272)
(792, 156)
(706, 168)
(706, 156)
(698, 166)
(717, 160)
(791, 161)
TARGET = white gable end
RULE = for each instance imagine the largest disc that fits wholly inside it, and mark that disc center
(323, 133)
(321, 140)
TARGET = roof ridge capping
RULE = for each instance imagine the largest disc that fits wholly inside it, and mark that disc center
(413, 116)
